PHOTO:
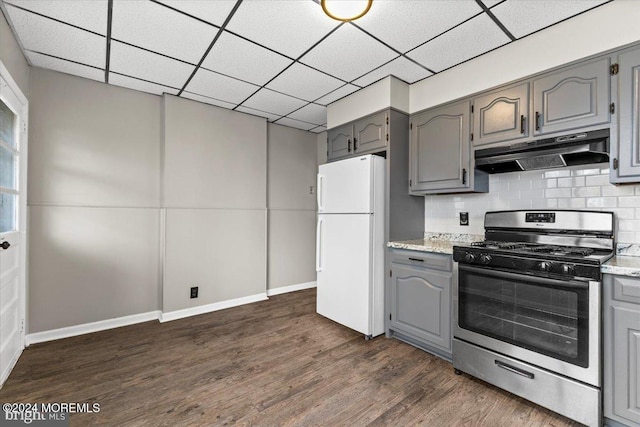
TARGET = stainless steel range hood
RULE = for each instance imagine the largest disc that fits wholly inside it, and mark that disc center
(577, 149)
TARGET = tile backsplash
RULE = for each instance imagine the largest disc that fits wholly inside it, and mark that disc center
(577, 187)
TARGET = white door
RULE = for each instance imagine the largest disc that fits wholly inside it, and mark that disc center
(346, 186)
(344, 267)
(13, 162)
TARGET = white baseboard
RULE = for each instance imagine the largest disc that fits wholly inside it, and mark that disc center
(292, 288)
(87, 328)
(208, 308)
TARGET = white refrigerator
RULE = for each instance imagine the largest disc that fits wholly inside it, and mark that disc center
(350, 243)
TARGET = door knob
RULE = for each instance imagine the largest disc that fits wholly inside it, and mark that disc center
(5, 245)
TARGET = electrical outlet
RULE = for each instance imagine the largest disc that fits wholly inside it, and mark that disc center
(464, 218)
(194, 292)
(311, 189)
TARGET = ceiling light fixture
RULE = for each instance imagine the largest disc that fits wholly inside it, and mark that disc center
(346, 10)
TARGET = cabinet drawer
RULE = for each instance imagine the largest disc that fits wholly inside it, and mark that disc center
(423, 259)
(625, 289)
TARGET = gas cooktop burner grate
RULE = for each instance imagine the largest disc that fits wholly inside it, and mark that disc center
(537, 248)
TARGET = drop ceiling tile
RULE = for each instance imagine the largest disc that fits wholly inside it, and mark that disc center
(157, 28)
(55, 64)
(460, 44)
(285, 121)
(405, 24)
(207, 100)
(214, 12)
(319, 129)
(525, 17)
(90, 15)
(244, 60)
(341, 92)
(304, 82)
(491, 3)
(145, 65)
(214, 85)
(269, 116)
(400, 67)
(311, 113)
(139, 85)
(289, 27)
(348, 53)
(58, 39)
(273, 102)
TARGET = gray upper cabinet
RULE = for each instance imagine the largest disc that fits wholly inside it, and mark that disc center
(570, 98)
(339, 142)
(501, 115)
(621, 349)
(370, 134)
(440, 152)
(625, 149)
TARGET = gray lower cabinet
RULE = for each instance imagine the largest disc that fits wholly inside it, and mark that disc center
(339, 142)
(501, 115)
(575, 97)
(441, 159)
(622, 349)
(420, 300)
(625, 149)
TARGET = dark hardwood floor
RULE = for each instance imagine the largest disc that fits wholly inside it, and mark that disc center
(272, 363)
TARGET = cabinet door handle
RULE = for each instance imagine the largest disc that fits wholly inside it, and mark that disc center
(537, 121)
(416, 259)
(522, 120)
(355, 147)
(464, 176)
(348, 145)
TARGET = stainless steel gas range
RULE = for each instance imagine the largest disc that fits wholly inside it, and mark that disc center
(528, 307)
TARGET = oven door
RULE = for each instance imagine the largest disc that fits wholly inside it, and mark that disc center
(550, 323)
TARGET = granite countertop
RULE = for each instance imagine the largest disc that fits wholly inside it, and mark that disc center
(625, 263)
(439, 243)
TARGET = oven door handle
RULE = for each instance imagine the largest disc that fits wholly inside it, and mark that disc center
(544, 281)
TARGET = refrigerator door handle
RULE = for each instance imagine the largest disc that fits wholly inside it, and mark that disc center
(320, 190)
(319, 246)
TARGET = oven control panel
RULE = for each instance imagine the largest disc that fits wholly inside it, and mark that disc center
(546, 217)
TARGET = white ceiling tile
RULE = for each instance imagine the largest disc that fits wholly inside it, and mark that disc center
(337, 94)
(491, 3)
(311, 113)
(44, 35)
(220, 87)
(273, 102)
(460, 44)
(400, 67)
(348, 53)
(44, 61)
(148, 66)
(304, 82)
(269, 116)
(90, 15)
(214, 12)
(160, 29)
(285, 121)
(289, 27)
(244, 60)
(319, 129)
(405, 24)
(207, 100)
(139, 85)
(525, 17)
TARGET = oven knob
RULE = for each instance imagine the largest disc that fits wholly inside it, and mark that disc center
(469, 257)
(485, 259)
(544, 266)
(568, 269)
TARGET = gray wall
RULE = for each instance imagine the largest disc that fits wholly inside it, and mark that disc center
(94, 199)
(215, 171)
(292, 159)
(12, 57)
